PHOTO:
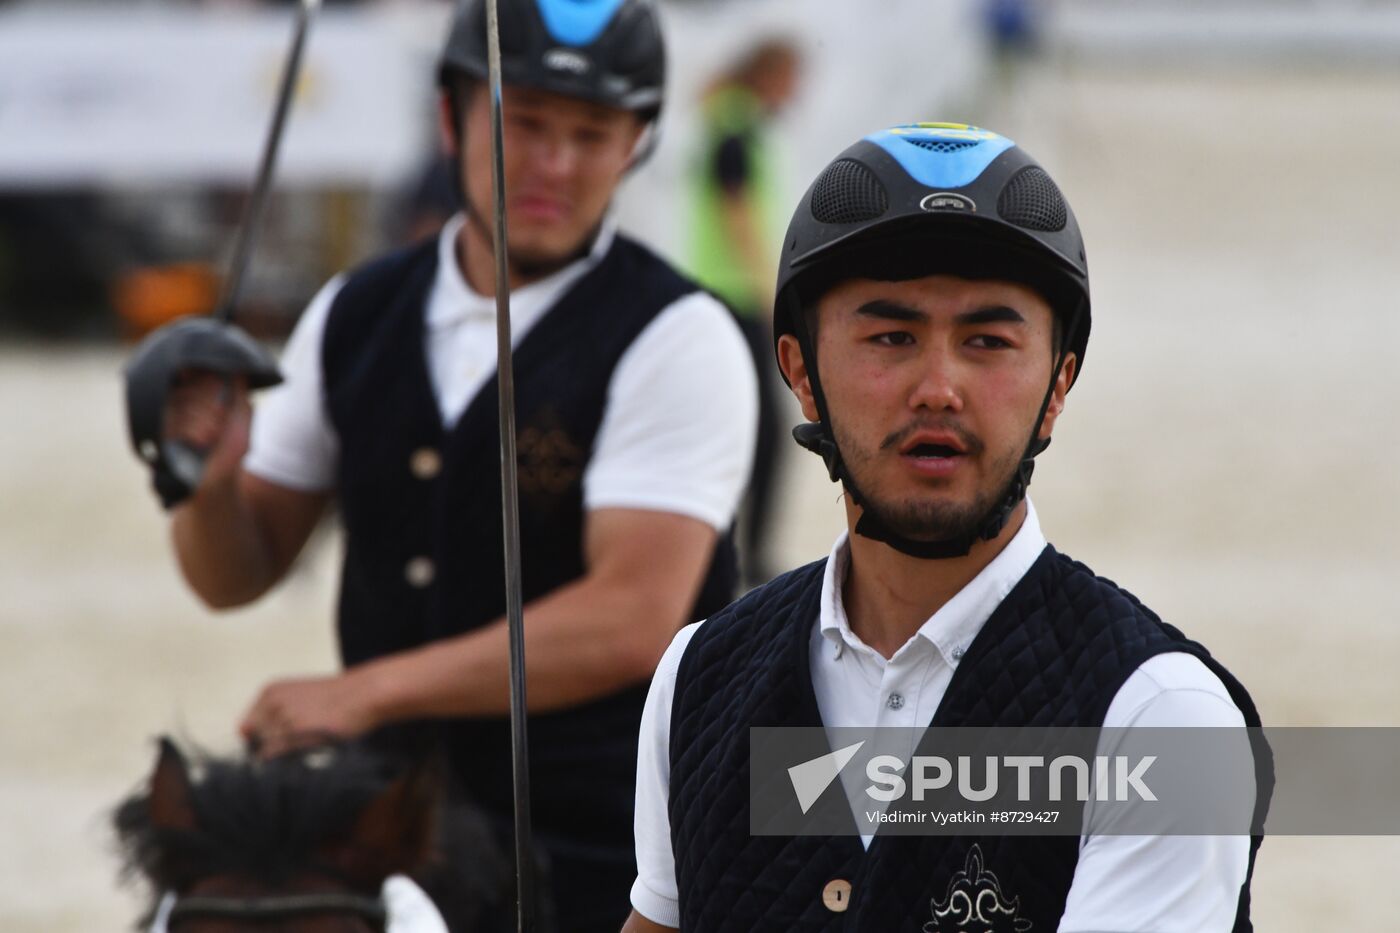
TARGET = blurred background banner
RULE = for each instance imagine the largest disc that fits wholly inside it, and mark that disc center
(1358, 31)
(1229, 456)
(109, 95)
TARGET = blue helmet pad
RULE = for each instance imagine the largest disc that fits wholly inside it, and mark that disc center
(942, 156)
(577, 22)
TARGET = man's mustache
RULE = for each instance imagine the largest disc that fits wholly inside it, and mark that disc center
(970, 442)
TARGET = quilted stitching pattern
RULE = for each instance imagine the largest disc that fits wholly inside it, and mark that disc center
(1053, 654)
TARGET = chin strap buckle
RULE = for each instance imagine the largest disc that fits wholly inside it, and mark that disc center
(1020, 483)
(814, 436)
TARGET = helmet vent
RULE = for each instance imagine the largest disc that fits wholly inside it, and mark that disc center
(943, 145)
(847, 193)
(1032, 201)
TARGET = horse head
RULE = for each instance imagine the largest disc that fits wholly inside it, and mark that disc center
(306, 840)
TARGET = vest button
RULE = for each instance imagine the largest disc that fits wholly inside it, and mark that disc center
(425, 463)
(420, 572)
(836, 896)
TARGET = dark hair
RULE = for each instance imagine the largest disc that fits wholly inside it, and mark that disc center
(260, 819)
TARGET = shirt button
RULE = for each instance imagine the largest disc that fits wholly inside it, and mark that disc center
(420, 572)
(425, 463)
(896, 701)
(836, 896)
(957, 653)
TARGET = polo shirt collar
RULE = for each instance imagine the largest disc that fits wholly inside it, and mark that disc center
(952, 628)
(453, 301)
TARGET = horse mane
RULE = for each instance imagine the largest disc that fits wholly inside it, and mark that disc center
(264, 820)
(269, 820)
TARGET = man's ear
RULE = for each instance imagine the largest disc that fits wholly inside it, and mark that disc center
(447, 125)
(794, 367)
(641, 140)
(1058, 395)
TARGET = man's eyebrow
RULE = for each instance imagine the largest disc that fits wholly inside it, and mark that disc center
(889, 311)
(999, 314)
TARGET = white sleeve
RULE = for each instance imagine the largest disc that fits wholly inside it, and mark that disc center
(409, 908)
(292, 442)
(655, 893)
(681, 422)
(1161, 884)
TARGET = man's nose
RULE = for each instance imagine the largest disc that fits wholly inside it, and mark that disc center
(555, 157)
(937, 388)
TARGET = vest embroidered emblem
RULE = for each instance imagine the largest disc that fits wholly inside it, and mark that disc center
(974, 903)
(550, 461)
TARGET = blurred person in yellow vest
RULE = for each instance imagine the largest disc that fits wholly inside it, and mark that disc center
(735, 218)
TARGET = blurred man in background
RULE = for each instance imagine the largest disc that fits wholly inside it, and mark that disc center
(636, 411)
(734, 227)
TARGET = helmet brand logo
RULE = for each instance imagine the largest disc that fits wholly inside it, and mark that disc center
(945, 131)
(947, 201)
(567, 60)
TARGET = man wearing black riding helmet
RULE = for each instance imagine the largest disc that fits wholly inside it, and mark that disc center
(636, 405)
(932, 314)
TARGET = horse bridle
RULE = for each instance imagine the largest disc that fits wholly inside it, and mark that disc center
(260, 909)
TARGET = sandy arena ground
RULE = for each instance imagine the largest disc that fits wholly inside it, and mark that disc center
(1229, 456)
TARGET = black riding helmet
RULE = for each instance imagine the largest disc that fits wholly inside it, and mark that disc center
(928, 199)
(607, 51)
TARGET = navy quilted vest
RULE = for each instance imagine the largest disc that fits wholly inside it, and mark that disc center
(1054, 653)
(421, 506)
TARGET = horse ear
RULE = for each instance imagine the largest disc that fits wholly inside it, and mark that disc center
(171, 801)
(396, 832)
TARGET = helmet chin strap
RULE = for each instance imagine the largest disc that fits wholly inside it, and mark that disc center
(819, 438)
(524, 268)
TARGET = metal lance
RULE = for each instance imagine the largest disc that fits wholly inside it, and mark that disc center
(510, 504)
(257, 203)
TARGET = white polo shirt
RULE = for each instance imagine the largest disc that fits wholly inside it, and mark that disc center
(677, 436)
(1162, 884)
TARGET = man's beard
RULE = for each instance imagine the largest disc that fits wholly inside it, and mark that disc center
(533, 265)
(539, 264)
(917, 518)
